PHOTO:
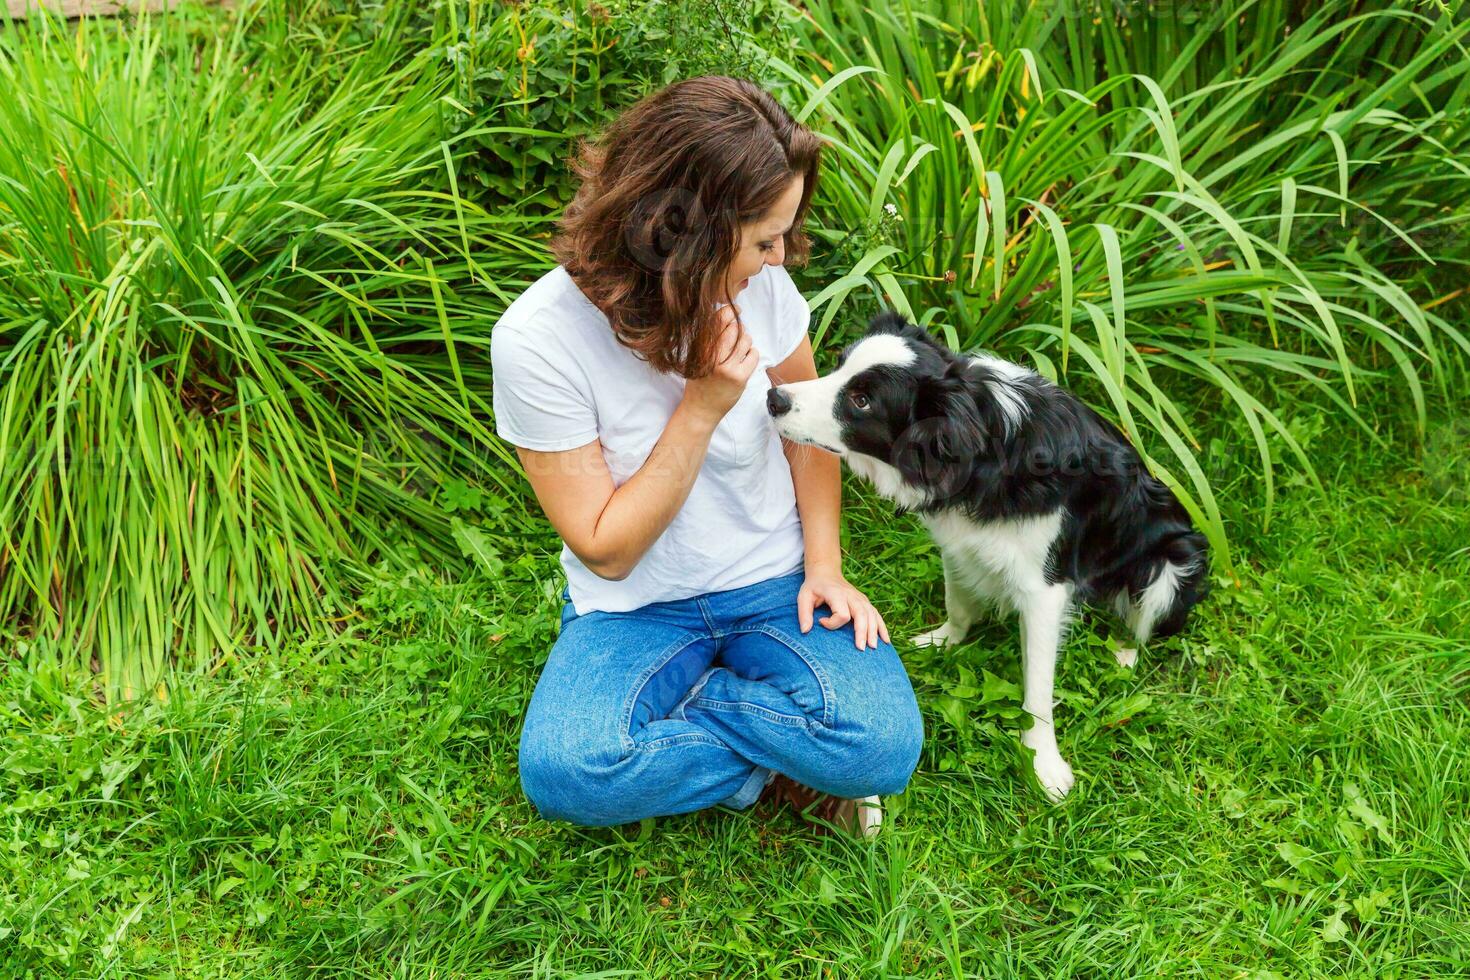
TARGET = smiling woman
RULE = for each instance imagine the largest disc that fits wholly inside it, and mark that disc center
(685, 198)
(632, 379)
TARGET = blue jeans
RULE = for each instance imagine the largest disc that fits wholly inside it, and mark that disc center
(682, 705)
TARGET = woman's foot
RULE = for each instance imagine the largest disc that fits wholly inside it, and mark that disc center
(861, 817)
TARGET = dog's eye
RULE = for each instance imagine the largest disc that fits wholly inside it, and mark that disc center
(859, 400)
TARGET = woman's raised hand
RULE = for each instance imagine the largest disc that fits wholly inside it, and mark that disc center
(716, 393)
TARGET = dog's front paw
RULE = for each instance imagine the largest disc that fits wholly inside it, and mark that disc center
(1126, 656)
(1054, 775)
(946, 635)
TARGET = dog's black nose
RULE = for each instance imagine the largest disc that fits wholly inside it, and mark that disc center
(777, 402)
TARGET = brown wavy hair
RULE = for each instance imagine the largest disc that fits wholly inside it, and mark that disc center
(654, 225)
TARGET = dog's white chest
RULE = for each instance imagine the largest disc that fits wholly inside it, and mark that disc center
(996, 559)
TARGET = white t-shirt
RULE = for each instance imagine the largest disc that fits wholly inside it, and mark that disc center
(561, 380)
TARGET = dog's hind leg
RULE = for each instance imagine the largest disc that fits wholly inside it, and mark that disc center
(960, 607)
(1043, 615)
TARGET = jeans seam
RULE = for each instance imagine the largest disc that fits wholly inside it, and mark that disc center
(703, 605)
(746, 707)
(817, 671)
(661, 661)
(658, 743)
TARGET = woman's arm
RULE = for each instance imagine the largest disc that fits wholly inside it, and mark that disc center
(817, 477)
(610, 529)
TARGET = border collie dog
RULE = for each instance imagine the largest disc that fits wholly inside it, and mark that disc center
(1037, 503)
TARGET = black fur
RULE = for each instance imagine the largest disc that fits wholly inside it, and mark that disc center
(939, 422)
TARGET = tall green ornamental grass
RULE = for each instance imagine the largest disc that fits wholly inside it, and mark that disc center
(245, 295)
(1152, 200)
(228, 350)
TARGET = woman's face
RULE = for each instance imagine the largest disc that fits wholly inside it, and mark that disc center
(762, 242)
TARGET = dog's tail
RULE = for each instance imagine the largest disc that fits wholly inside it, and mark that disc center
(1166, 589)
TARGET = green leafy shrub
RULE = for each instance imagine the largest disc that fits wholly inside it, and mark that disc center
(248, 264)
(1150, 200)
(538, 75)
(234, 284)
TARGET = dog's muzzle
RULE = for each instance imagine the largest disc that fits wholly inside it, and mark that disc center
(778, 403)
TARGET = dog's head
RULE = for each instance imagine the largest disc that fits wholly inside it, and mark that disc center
(902, 409)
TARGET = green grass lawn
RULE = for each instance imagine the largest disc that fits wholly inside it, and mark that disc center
(1281, 792)
(249, 261)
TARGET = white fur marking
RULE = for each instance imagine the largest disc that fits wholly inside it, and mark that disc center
(813, 415)
(946, 635)
(1005, 388)
(886, 479)
(998, 561)
(883, 348)
(1157, 599)
(1044, 620)
(1004, 562)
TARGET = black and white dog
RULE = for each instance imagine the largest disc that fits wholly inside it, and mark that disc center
(1037, 503)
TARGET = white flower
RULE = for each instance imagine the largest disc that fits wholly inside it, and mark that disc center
(890, 208)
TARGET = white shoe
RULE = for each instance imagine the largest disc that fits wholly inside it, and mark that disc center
(861, 817)
(869, 816)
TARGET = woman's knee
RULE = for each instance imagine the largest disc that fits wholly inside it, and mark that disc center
(900, 745)
(879, 737)
(563, 784)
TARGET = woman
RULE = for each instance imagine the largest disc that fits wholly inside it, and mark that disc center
(632, 379)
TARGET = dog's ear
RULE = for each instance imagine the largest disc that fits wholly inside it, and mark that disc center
(888, 321)
(939, 449)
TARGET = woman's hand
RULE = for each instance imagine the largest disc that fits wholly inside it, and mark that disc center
(847, 605)
(716, 393)
(610, 528)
